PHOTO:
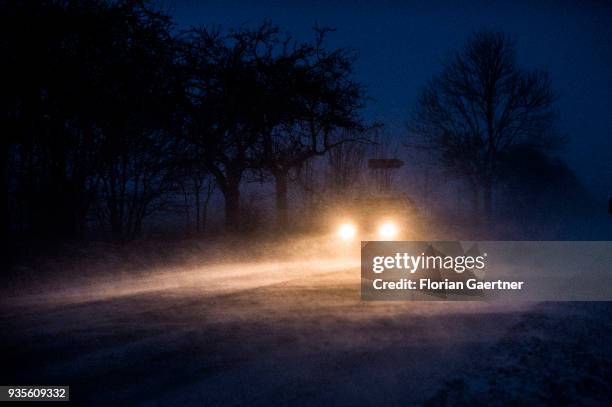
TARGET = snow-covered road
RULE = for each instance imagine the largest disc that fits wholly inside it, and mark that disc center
(287, 333)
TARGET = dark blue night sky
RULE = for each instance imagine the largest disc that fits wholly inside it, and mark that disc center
(401, 45)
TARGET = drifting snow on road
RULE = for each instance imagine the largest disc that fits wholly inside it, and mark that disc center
(295, 332)
(207, 280)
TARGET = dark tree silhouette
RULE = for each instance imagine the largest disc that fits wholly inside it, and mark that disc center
(311, 105)
(223, 108)
(480, 106)
(49, 137)
(262, 102)
(138, 101)
(86, 110)
(195, 183)
(107, 113)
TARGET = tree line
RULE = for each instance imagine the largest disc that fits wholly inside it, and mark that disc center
(108, 108)
(109, 111)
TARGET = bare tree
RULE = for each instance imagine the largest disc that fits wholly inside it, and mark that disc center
(87, 109)
(312, 105)
(480, 106)
(196, 185)
(224, 102)
(261, 102)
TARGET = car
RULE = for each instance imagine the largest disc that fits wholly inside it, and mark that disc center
(375, 217)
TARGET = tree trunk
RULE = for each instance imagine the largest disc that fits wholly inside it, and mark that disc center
(197, 205)
(231, 194)
(115, 221)
(204, 214)
(282, 206)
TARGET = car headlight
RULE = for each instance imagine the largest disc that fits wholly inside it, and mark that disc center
(347, 231)
(387, 230)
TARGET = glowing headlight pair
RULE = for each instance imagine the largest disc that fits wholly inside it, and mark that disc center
(387, 231)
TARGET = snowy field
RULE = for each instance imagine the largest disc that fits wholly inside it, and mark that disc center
(287, 327)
